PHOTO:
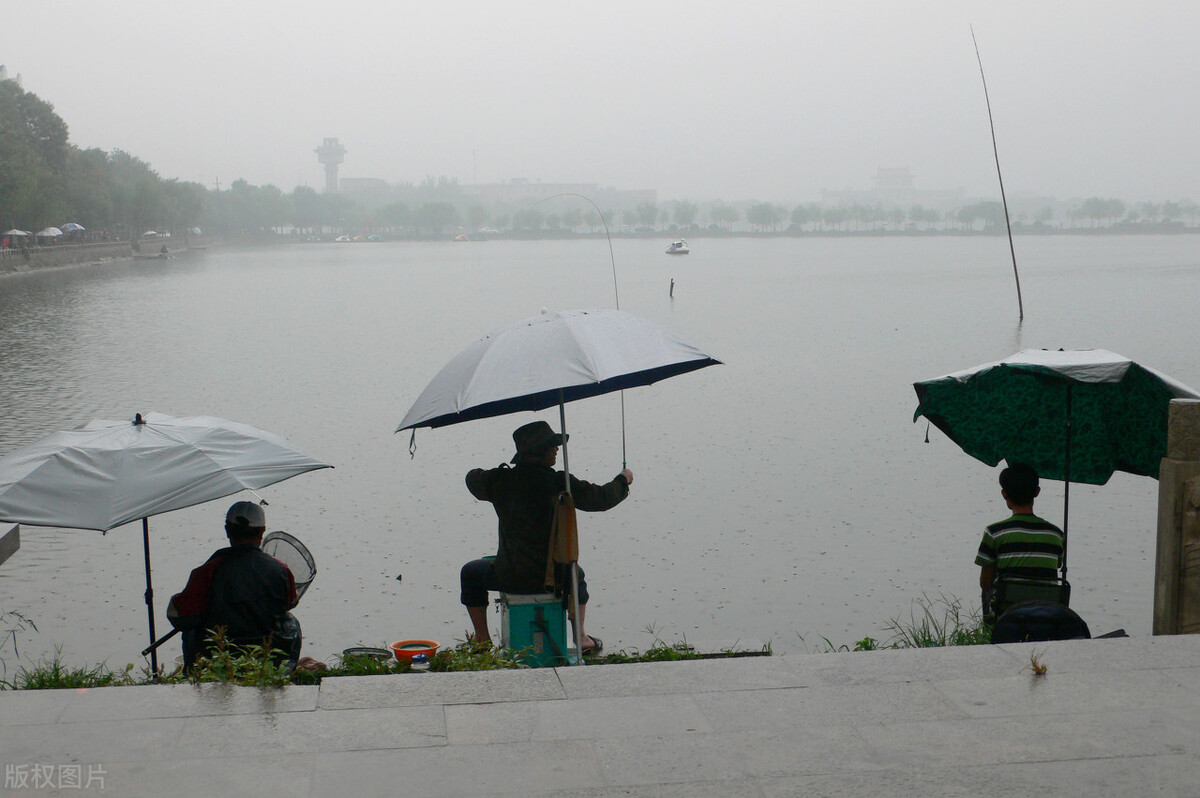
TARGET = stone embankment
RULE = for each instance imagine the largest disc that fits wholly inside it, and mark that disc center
(14, 261)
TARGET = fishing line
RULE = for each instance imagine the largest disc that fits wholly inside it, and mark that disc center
(1003, 200)
(616, 294)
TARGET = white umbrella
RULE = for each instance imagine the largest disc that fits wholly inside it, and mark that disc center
(107, 473)
(16, 232)
(548, 360)
(50, 232)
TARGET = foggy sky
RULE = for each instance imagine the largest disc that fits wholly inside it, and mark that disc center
(700, 100)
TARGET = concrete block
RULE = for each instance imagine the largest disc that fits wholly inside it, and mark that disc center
(180, 700)
(301, 732)
(204, 778)
(688, 676)
(420, 689)
(10, 542)
(748, 756)
(93, 741)
(459, 770)
(904, 665)
(852, 705)
(1033, 697)
(32, 707)
(581, 719)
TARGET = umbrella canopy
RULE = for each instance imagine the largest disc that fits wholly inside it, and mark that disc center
(108, 473)
(16, 232)
(1074, 415)
(549, 359)
(73, 227)
(1018, 409)
(50, 232)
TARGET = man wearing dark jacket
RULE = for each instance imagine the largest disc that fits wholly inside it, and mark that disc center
(524, 500)
(241, 589)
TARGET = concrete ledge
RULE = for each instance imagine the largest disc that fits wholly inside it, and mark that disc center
(1108, 718)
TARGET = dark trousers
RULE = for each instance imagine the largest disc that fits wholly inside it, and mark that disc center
(479, 576)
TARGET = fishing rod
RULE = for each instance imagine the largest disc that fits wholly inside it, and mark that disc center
(996, 152)
(607, 235)
(616, 294)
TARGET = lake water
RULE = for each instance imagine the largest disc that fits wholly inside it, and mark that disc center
(785, 496)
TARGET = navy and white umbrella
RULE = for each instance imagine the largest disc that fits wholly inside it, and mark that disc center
(552, 359)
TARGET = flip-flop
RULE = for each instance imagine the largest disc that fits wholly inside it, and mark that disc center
(592, 651)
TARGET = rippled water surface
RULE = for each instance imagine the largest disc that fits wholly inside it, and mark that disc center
(785, 496)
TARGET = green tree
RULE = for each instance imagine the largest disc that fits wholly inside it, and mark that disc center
(307, 209)
(134, 192)
(724, 216)
(33, 158)
(395, 214)
(685, 213)
(435, 217)
(183, 203)
(88, 190)
(477, 216)
(647, 213)
(573, 218)
(1098, 209)
(765, 215)
(990, 213)
(528, 219)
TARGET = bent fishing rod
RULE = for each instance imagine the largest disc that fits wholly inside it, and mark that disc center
(616, 295)
(996, 152)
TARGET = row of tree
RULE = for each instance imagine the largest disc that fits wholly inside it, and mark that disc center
(45, 181)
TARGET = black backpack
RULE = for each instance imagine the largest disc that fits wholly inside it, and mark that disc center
(1036, 621)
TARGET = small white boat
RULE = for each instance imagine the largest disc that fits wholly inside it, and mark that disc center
(679, 247)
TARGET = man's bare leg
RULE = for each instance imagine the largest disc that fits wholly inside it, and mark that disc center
(584, 640)
(478, 616)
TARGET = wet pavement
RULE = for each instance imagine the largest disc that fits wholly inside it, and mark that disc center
(1115, 717)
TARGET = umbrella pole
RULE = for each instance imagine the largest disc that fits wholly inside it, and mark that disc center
(1067, 484)
(149, 597)
(575, 626)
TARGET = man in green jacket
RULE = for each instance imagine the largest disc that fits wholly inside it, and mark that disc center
(524, 499)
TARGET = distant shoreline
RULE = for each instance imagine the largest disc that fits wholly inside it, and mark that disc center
(24, 261)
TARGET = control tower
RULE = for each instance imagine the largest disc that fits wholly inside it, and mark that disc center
(331, 154)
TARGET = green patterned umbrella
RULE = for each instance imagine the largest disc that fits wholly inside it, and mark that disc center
(1074, 415)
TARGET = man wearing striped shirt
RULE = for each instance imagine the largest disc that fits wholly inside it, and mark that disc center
(1022, 545)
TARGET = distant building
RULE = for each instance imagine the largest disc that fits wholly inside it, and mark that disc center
(4, 75)
(896, 188)
(331, 154)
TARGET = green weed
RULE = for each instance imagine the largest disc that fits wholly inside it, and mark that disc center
(469, 655)
(662, 651)
(52, 674)
(931, 623)
(10, 623)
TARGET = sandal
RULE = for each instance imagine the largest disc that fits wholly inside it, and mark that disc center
(591, 651)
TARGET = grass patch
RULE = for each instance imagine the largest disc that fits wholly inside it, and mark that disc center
(259, 666)
(931, 623)
(662, 651)
(52, 674)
